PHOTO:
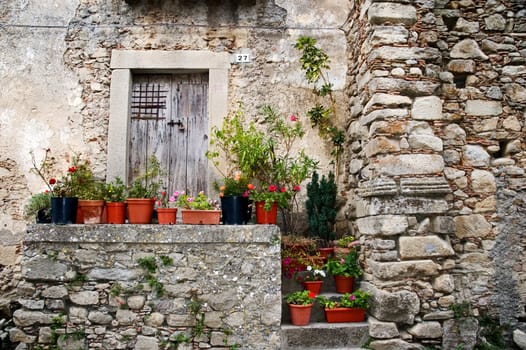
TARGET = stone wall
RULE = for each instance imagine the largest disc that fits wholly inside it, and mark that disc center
(438, 113)
(220, 284)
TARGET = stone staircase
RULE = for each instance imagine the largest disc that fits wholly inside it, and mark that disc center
(319, 334)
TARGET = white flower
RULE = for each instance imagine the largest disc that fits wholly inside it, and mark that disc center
(309, 268)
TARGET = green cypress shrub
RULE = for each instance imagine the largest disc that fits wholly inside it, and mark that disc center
(321, 207)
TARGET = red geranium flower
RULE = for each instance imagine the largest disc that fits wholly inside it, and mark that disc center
(52, 181)
(283, 189)
(72, 169)
(273, 188)
(293, 118)
(296, 188)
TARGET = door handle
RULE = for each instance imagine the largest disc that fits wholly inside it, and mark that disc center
(179, 124)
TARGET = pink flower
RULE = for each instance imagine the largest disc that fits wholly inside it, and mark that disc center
(190, 199)
(287, 261)
(272, 188)
(352, 297)
(293, 118)
(171, 199)
(245, 194)
(296, 188)
(342, 261)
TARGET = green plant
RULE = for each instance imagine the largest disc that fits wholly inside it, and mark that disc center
(347, 266)
(312, 273)
(199, 202)
(462, 309)
(346, 242)
(265, 152)
(38, 202)
(166, 260)
(116, 289)
(272, 194)
(115, 191)
(195, 307)
(238, 185)
(491, 335)
(315, 62)
(357, 299)
(146, 184)
(303, 297)
(321, 207)
(149, 264)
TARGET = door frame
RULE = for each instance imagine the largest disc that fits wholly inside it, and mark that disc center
(125, 62)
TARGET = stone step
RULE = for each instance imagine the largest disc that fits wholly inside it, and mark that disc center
(322, 335)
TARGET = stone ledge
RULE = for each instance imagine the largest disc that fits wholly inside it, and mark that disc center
(159, 234)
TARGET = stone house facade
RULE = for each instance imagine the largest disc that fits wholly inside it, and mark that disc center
(431, 93)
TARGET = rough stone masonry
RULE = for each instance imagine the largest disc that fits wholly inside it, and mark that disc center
(432, 93)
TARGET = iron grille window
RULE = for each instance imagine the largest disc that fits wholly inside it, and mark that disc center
(148, 99)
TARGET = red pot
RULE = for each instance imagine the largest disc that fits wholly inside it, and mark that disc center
(166, 216)
(140, 210)
(200, 217)
(91, 211)
(313, 286)
(266, 217)
(344, 314)
(343, 284)
(300, 314)
(116, 212)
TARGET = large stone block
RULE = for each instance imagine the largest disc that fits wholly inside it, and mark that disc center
(462, 66)
(394, 344)
(427, 108)
(381, 114)
(23, 318)
(474, 225)
(382, 225)
(467, 48)
(483, 107)
(382, 330)
(483, 181)
(44, 269)
(392, 13)
(380, 145)
(461, 331)
(426, 330)
(403, 269)
(414, 186)
(382, 100)
(424, 247)
(476, 155)
(399, 206)
(409, 164)
(401, 306)
(404, 87)
(388, 35)
(389, 53)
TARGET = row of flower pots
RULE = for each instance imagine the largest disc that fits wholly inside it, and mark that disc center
(69, 210)
(349, 307)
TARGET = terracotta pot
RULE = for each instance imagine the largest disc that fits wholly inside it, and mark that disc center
(343, 284)
(300, 314)
(139, 210)
(116, 212)
(91, 210)
(266, 217)
(344, 314)
(313, 286)
(325, 253)
(166, 216)
(200, 217)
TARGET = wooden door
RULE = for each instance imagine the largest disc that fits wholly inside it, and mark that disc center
(169, 119)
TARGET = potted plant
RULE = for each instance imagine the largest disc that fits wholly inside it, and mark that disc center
(141, 193)
(344, 245)
(198, 210)
(300, 306)
(62, 191)
(268, 201)
(297, 253)
(321, 210)
(236, 206)
(351, 307)
(344, 270)
(264, 151)
(39, 207)
(311, 278)
(114, 196)
(166, 210)
(90, 192)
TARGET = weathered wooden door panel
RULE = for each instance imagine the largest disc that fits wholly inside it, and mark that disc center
(170, 121)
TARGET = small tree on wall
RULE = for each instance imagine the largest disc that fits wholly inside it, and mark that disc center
(315, 62)
(321, 207)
